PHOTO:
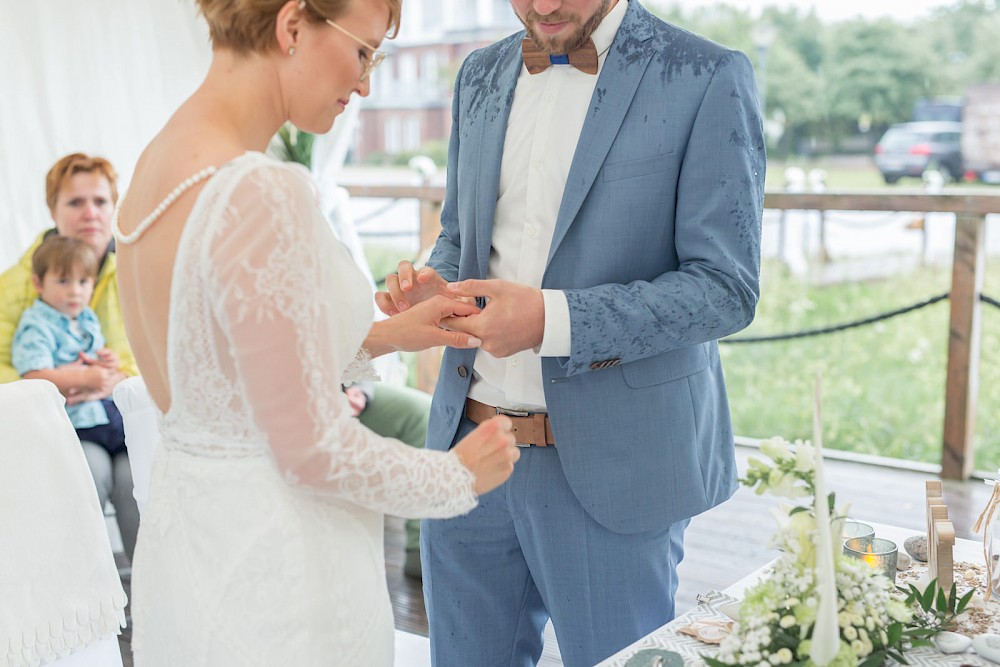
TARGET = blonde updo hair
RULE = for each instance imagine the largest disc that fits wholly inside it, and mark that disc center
(249, 25)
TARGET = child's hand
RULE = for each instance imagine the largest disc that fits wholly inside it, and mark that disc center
(98, 378)
(106, 357)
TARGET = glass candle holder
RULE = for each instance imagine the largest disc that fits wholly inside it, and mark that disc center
(879, 554)
(856, 529)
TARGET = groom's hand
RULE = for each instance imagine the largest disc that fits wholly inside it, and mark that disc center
(408, 287)
(513, 319)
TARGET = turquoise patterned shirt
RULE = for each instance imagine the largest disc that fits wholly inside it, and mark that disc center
(45, 338)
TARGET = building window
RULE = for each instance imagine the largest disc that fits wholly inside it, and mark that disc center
(429, 68)
(393, 135)
(407, 75)
(411, 133)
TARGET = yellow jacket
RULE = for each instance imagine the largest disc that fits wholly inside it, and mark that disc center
(17, 293)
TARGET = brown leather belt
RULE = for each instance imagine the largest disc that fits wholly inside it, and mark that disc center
(531, 429)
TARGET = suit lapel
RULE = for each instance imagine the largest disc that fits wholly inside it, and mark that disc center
(491, 103)
(623, 69)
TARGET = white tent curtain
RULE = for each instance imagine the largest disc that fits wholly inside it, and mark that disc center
(98, 76)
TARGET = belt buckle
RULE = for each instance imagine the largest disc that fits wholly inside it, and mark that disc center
(515, 413)
(512, 413)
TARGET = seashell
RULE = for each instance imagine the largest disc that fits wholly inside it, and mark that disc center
(916, 546)
(903, 561)
(970, 575)
(952, 642)
(987, 646)
(708, 631)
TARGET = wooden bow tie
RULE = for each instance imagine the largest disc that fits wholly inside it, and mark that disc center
(584, 58)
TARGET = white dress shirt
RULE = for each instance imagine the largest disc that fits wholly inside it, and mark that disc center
(546, 118)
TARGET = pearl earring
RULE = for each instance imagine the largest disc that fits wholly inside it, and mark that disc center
(291, 50)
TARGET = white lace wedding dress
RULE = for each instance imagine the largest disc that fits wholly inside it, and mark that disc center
(262, 540)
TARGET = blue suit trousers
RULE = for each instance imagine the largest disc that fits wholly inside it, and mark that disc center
(493, 577)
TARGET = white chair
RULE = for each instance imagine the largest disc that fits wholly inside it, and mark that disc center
(61, 600)
(142, 433)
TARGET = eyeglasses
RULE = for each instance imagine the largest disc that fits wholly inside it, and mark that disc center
(369, 62)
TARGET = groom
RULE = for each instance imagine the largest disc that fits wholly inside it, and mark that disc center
(607, 214)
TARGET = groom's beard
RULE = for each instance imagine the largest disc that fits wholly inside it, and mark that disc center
(557, 45)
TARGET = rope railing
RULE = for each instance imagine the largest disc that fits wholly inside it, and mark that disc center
(808, 333)
(838, 327)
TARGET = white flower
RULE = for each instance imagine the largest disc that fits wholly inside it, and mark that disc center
(787, 621)
(776, 448)
(805, 458)
(784, 656)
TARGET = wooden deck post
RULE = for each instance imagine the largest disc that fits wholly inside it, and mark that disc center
(962, 389)
(428, 361)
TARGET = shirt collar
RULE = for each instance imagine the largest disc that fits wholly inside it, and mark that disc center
(50, 314)
(605, 33)
(53, 316)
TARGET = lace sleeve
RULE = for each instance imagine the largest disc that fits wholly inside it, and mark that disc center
(294, 309)
(360, 369)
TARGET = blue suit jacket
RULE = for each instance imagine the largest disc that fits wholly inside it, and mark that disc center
(657, 248)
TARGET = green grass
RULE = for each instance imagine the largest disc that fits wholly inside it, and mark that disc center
(838, 177)
(883, 384)
(857, 174)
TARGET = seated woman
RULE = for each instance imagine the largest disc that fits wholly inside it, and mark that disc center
(81, 192)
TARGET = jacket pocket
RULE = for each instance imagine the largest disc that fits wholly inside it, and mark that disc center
(650, 165)
(666, 367)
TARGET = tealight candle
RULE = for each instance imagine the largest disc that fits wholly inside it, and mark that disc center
(857, 529)
(878, 553)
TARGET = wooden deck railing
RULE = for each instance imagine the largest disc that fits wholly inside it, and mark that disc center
(970, 206)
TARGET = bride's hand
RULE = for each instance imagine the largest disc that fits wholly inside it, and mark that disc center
(409, 287)
(419, 327)
(489, 452)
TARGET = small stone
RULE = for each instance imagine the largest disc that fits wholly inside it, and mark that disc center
(988, 646)
(970, 575)
(977, 601)
(916, 546)
(903, 561)
(952, 642)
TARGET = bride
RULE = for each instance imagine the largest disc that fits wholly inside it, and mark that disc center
(262, 540)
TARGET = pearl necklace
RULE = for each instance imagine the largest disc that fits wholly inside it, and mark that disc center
(147, 222)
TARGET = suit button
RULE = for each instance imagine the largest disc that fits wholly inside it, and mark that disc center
(463, 371)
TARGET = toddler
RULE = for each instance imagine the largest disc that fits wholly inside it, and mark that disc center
(59, 338)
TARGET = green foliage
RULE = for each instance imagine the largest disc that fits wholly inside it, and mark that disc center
(934, 612)
(297, 144)
(824, 80)
(884, 384)
(882, 70)
(436, 150)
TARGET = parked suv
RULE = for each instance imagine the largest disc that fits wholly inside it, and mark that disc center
(909, 149)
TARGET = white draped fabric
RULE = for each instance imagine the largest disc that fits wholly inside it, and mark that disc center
(100, 76)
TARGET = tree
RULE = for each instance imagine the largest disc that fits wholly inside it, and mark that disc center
(875, 69)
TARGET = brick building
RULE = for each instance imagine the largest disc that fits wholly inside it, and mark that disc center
(410, 101)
